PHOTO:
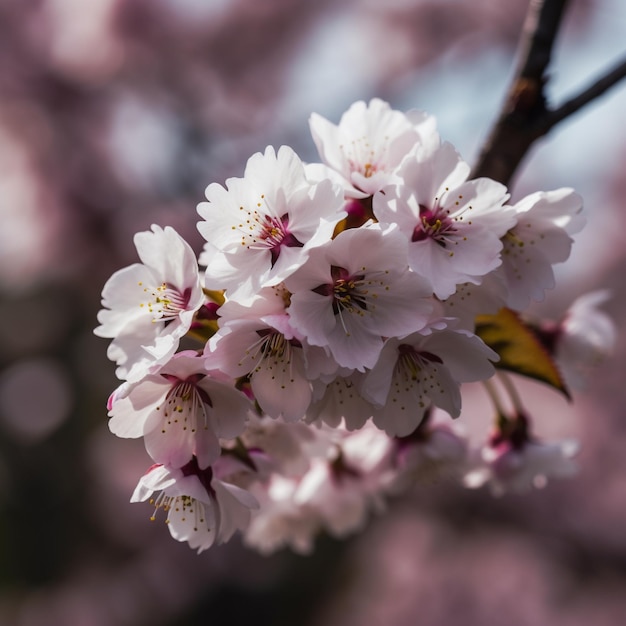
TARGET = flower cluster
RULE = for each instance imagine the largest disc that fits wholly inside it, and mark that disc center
(335, 324)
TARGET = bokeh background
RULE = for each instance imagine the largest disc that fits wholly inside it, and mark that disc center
(116, 114)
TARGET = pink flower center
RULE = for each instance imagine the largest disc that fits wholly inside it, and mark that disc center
(262, 231)
(205, 476)
(434, 224)
(349, 291)
(275, 234)
(185, 404)
(165, 302)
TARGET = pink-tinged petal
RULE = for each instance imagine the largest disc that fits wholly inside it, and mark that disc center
(194, 522)
(235, 508)
(234, 349)
(170, 257)
(229, 409)
(123, 296)
(465, 355)
(352, 344)
(130, 414)
(169, 441)
(342, 400)
(370, 142)
(378, 381)
(265, 222)
(312, 315)
(428, 178)
(207, 447)
(327, 139)
(407, 307)
(155, 479)
(281, 389)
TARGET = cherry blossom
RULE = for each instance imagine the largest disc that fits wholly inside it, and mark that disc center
(433, 451)
(582, 339)
(546, 220)
(506, 467)
(261, 227)
(271, 356)
(280, 521)
(422, 370)
(340, 401)
(452, 225)
(150, 305)
(181, 411)
(343, 483)
(355, 290)
(369, 143)
(334, 334)
(201, 509)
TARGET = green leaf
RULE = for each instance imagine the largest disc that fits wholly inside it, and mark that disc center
(519, 348)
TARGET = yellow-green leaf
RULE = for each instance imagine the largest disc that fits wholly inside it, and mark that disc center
(519, 348)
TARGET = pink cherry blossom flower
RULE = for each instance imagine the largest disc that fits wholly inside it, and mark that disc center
(506, 467)
(346, 485)
(261, 227)
(431, 453)
(587, 337)
(340, 402)
(342, 484)
(280, 521)
(452, 225)
(150, 305)
(286, 444)
(354, 291)
(422, 370)
(582, 339)
(181, 412)
(541, 238)
(272, 356)
(201, 509)
(470, 300)
(369, 143)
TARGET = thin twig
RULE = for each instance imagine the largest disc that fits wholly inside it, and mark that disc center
(519, 123)
(525, 117)
(585, 97)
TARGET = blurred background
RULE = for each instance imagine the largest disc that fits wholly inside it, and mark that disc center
(116, 114)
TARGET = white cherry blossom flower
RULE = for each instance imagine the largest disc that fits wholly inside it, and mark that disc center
(261, 227)
(280, 521)
(546, 220)
(201, 509)
(150, 305)
(340, 401)
(344, 487)
(286, 444)
(452, 225)
(268, 351)
(419, 371)
(369, 143)
(431, 453)
(507, 467)
(582, 339)
(470, 300)
(181, 411)
(336, 493)
(354, 291)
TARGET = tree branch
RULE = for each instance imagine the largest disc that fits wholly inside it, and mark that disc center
(521, 120)
(585, 97)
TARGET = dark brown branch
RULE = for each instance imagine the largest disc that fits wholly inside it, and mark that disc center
(524, 117)
(591, 93)
(521, 121)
